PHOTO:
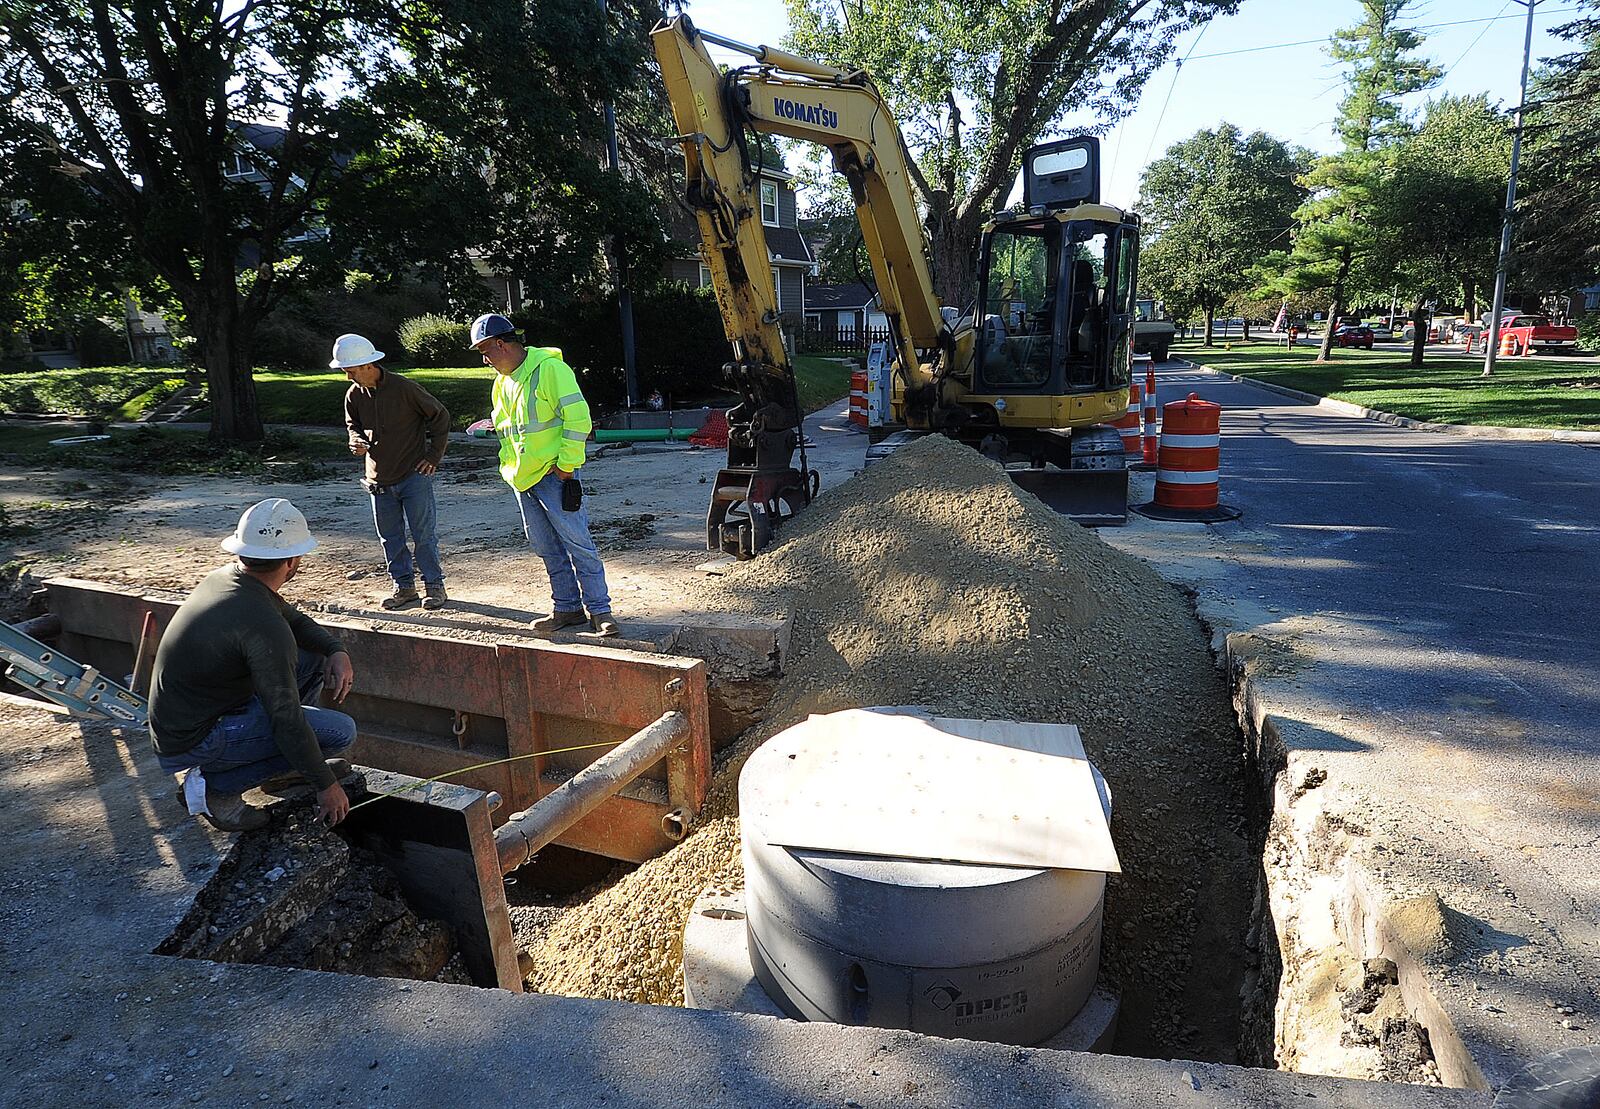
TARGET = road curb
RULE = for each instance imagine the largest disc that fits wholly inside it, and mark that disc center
(1471, 431)
(1361, 907)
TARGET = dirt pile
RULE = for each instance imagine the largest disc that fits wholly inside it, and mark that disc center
(931, 580)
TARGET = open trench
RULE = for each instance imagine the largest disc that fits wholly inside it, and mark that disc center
(1212, 936)
(1231, 1002)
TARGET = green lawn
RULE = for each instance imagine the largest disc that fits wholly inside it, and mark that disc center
(1525, 392)
(113, 392)
(313, 398)
(821, 380)
(284, 456)
(317, 398)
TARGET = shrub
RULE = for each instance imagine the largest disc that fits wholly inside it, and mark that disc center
(1589, 332)
(435, 340)
(300, 332)
(100, 345)
(679, 344)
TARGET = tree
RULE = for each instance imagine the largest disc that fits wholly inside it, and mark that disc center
(1560, 238)
(1212, 205)
(1018, 66)
(1332, 239)
(1436, 216)
(141, 107)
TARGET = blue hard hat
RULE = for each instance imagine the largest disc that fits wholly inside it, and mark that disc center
(488, 326)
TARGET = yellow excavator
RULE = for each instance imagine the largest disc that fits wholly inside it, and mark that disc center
(1031, 373)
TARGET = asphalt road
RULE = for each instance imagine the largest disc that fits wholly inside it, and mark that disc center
(1441, 595)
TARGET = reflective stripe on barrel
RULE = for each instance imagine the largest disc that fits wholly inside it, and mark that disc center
(1191, 447)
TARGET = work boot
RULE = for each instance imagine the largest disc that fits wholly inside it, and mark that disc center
(558, 620)
(229, 813)
(436, 596)
(603, 623)
(291, 778)
(404, 596)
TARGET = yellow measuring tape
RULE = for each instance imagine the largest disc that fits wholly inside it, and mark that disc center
(480, 766)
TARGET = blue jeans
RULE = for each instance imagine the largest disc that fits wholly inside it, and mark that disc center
(562, 539)
(409, 500)
(240, 751)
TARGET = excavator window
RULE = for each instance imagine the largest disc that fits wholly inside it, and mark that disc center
(1088, 305)
(1019, 305)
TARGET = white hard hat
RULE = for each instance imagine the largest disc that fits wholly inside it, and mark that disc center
(271, 529)
(353, 350)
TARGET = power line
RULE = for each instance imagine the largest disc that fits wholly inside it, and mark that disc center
(1419, 27)
(1160, 117)
(1475, 42)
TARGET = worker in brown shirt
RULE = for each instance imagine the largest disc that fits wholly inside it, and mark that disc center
(401, 429)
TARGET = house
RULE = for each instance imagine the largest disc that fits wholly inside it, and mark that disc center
(241, 167)
(841, 313)
(149, 339)
(793, 263)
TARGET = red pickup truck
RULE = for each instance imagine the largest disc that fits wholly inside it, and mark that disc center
(1529, 333)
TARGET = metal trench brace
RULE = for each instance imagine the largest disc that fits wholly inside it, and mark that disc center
(527, 833)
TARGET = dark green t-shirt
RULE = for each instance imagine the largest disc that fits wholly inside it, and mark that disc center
(232, 638)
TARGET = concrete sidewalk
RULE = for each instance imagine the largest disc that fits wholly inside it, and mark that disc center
(1408, 617)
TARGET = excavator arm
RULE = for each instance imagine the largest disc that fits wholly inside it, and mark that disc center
(719, 116)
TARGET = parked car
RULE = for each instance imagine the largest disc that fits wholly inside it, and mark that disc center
(1529, 333)
(1358, 336)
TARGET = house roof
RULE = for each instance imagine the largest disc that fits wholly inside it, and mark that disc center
(831, 297)
(785, 244)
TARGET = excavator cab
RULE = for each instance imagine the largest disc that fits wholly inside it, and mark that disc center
(1055, 307)
(1054, 326)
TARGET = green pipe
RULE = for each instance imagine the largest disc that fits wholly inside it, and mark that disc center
(643, 434)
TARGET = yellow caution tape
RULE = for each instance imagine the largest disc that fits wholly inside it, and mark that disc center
(480, 766)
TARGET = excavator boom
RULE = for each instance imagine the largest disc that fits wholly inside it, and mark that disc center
(1023, 394)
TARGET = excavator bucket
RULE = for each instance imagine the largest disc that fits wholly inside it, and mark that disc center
(1093, 498)
(1093, 492)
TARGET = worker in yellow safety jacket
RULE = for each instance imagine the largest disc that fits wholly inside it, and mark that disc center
(543, 422)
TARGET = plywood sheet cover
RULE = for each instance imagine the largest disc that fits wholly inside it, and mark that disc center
(997, 793)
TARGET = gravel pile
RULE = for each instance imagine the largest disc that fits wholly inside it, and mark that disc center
(930, 579)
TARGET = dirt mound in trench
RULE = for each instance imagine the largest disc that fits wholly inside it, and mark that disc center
(931, 580)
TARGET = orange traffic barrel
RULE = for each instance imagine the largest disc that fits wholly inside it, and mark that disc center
(858, 398)
(1128, 424)
(1508, 345)
(1150, 416)
(1186, 474)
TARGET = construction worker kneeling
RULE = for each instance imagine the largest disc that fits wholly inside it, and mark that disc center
(237, 677)
(543, 422)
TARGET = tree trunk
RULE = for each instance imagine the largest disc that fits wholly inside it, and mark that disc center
(1244, 328)
(1419, 333)
(954, 243)
(1469, 299)
(225, 352)
(1211, 322)
(1335, 310)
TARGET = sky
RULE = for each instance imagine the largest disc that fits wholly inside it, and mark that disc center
(1291, 92)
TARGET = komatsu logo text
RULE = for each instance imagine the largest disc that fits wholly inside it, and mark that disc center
(805, 113)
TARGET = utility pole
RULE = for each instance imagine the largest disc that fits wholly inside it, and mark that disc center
(1492, 351)
(619, 248)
